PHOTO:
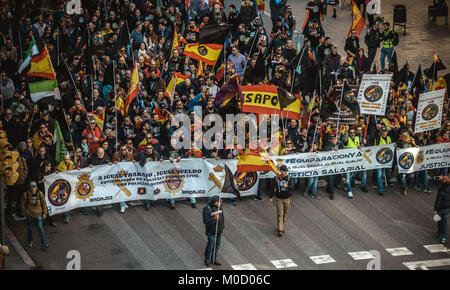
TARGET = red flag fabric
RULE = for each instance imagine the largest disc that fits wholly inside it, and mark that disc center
(357, 20)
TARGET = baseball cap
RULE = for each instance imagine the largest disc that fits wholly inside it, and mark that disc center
(33, 183)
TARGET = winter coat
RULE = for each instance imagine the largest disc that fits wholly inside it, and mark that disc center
(208, 219)
(33, 206)
(443, 198)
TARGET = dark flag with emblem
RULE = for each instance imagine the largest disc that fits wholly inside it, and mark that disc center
(216, 33)
(349, 98)
(285, 98)
(229, 185)
(418, 80)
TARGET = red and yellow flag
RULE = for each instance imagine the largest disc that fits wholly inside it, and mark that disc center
(252, 161)
(120, 106)
(263, 99)
(175, 42)
(176, 79)
(134, 88)
(200, 69)
(41, 66)
(357, 20)
(260, 4)
(207, 53)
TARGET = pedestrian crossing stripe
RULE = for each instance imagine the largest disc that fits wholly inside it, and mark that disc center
(324, 259)
(243, 267)
(438, 248)
(363, 255)
(399, 252)
(286, 263)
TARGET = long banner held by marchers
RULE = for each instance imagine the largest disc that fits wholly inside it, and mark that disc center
(127, 181)
(373, 93)
(421, 158)
(429, 111)
(340, 161)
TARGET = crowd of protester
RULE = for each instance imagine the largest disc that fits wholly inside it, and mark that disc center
(86, 49)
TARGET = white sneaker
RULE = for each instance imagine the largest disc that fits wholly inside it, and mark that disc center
(349, 194)
(122, 210)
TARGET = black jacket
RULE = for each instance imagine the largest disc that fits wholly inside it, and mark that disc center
(279, 191)
(208, 219)
(443, 198)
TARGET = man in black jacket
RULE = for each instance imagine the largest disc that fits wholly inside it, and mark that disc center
(442, 207)
(283, 186)
(214, 224)
(373, 40)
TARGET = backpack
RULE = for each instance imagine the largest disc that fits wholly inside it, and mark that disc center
(395, 40)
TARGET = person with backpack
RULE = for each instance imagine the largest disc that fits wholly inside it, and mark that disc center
(389, 41)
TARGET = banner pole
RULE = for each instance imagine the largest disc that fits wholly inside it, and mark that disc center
(339, 112)
(217, 227)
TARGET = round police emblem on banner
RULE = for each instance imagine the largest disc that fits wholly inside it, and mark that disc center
(174, 182)
(202, 50)
(59, 192)
(406, 160)
(84, 187)
(373, 93)
(245, 180)
(429, 112)
(384, 155)
(420, 157)
(156, 191)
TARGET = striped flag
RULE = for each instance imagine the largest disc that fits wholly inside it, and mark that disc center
(134, 88)
(252, 161)
(32, 51)
(357, 20)
(41, 66)
(208, 52)
(61, 148)
(43, 89)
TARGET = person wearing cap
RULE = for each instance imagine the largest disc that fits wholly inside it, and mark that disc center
(282, 190)
(34, 207)
(382, 139)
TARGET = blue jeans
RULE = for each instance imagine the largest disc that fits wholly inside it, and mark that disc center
(332, 181)
(40, 227)
(209, 250)
(381, 175)
(442, 224)
(191, 199)
(404, 179)
(311, 184)
(424, 175)
(123, 205)
(351, 176)
(386, 52)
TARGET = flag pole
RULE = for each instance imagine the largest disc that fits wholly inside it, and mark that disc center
(115, 100)
(295, 71)
(246, 63)
(76, 88)
(339, 111)
(217, 228)
(320, 105)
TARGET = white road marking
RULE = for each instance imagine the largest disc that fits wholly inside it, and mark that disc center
(324, 259)
(424, 265)
(204, 269)
(286, 263)
(18, 247)
(438, 248)
(363, 255)
(399, 252)
(243, 267)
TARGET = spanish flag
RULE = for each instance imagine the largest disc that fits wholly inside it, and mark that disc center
(357, 20)
(161, 117)
(120, 105)
(252, 161)
(260, 4)
(98, 119)
(177, 79)
(41, 66)
(207, 53)
(134, 88)
(175, 42)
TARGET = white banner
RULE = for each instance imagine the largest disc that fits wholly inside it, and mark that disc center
(429, 111)
(373, 93)
(127, 181)
(335, 161)
(421, 158)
